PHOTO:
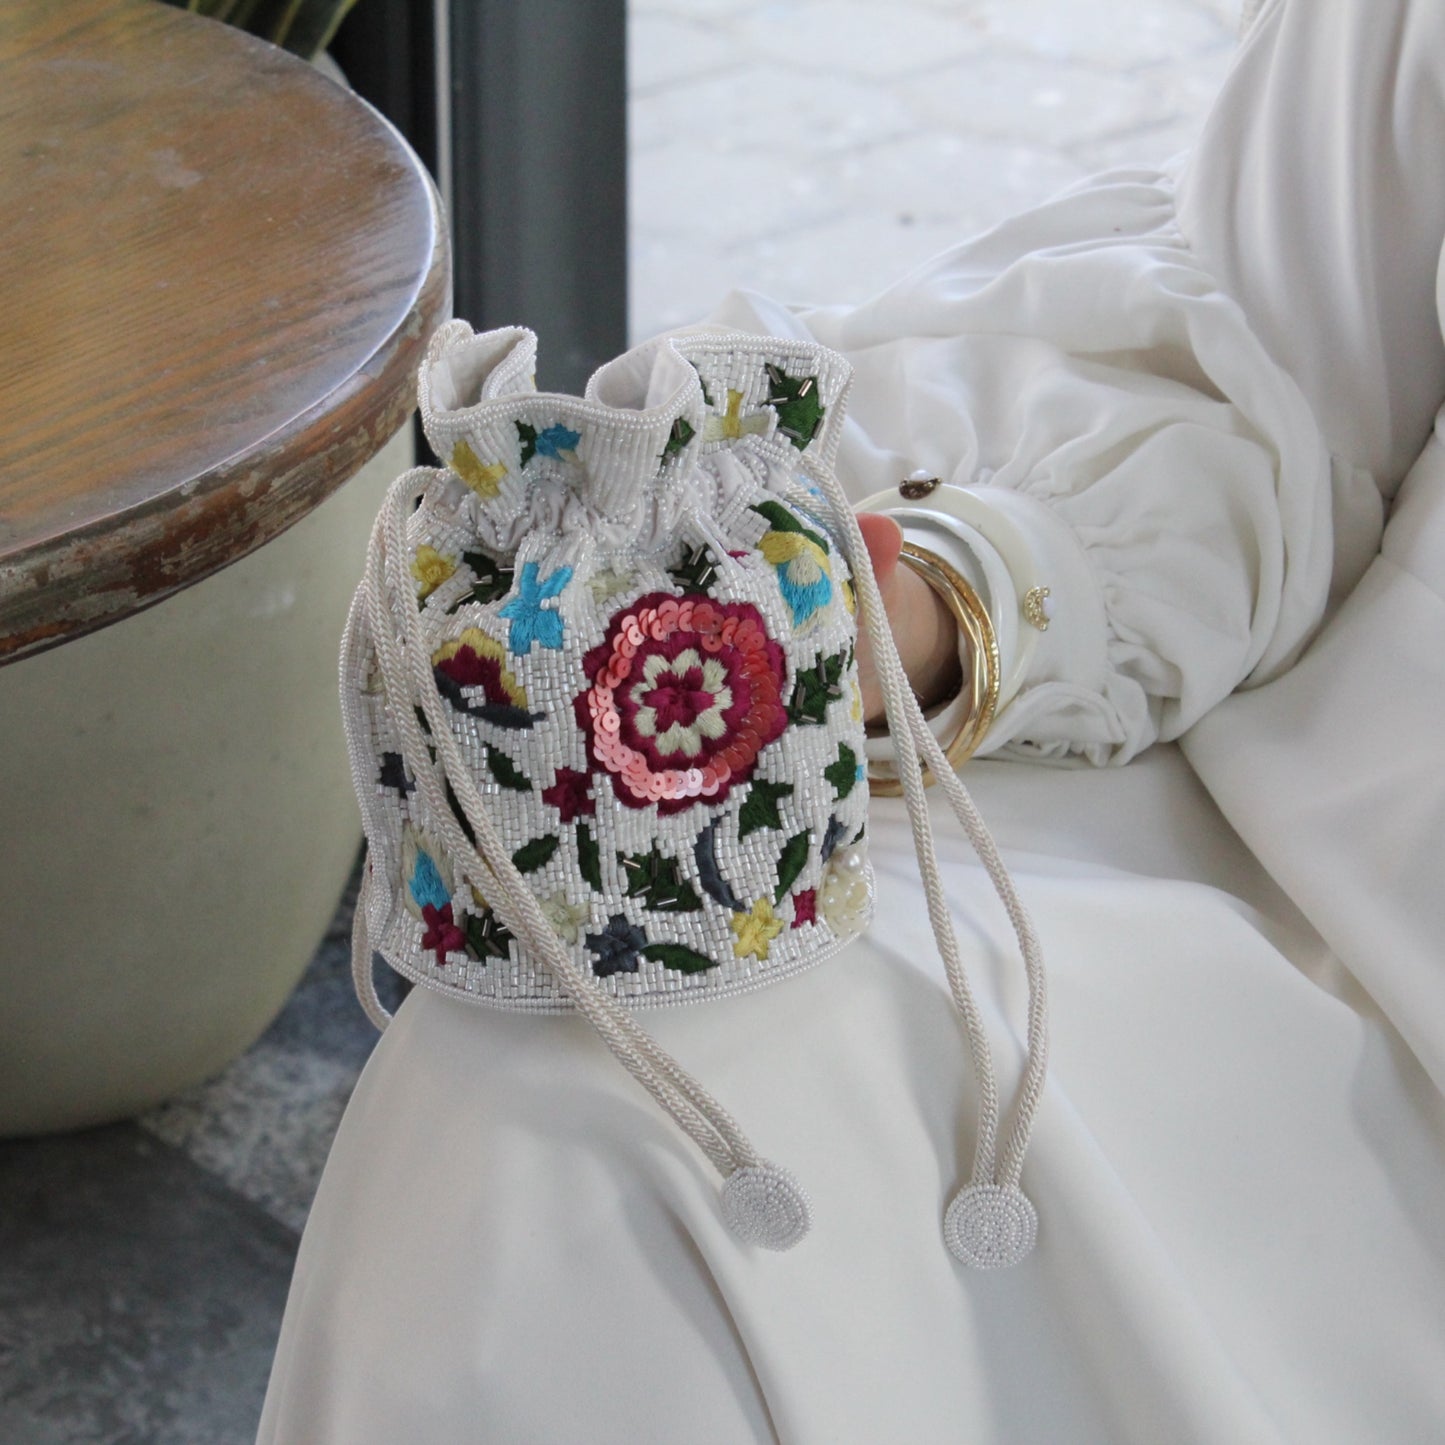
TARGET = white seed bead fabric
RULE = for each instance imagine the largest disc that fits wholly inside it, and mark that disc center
(592, 537)
(990, 1226)
(764, 1205)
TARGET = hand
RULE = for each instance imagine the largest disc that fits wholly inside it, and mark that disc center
(922, 626)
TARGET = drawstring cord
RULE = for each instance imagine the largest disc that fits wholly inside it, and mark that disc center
(762, 1203)
(990, 1223)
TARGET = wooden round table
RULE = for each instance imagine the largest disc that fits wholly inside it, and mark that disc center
(219, 272)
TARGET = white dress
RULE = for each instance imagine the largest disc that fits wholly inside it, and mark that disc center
(1206, 389)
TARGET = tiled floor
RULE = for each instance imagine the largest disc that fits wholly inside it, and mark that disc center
(811, 149)
(816, 149)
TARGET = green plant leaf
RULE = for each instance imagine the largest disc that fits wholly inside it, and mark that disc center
(795, 399)
(682, 432)
(455, 804)
(487, 937)
(494, 580)
(679, 956)
(531, 856)
(815, 688)
(760, 807)
(589, 857)
(790, 863)
(782, 520)
(658, 881)
(506, 772)
(843, 774)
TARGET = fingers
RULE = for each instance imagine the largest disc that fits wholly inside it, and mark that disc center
(884, 539)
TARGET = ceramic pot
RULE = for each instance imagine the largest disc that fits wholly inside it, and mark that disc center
(179, 824)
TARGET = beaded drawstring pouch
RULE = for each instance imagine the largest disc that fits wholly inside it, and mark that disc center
(600, 690)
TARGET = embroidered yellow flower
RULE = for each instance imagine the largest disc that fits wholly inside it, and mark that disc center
(756, 930)
(472, 659)
(805, 577)
(565, 916)
(485, 481)
(732, 424)
(431, 569)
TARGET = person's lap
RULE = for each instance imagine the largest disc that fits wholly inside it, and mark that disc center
(511, 1245)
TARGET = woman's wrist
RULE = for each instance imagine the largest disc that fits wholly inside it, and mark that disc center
(934, 670)
(928, 643)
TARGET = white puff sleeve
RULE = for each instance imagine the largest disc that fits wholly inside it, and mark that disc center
(1086, 379)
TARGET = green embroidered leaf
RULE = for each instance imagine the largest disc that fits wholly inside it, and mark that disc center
(506, 772)
(454, 803)
(706, 395)
(679, 956)
(589, 857)
(682, 432)
(815, 688)
(531, 856)
(760, 807)
(782, 520)
(795, 399)
(790, 863)
(844, 773)
(695, 571)
(486, 935)
(658, 881)
(527, 435)
(493, 580)
(392, 774)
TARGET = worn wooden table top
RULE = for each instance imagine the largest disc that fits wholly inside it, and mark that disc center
(218, 271)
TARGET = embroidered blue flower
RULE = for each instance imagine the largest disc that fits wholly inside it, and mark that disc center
(552, 441)
(426, 883)
(803, 572)
(800, 560)
(531, 622)
(557, 439)
(617, 947)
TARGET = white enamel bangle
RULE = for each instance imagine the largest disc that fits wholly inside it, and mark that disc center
(925, 500)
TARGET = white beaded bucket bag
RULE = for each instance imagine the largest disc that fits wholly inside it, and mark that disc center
(600, 690)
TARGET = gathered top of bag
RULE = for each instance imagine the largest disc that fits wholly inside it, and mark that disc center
(601, 697)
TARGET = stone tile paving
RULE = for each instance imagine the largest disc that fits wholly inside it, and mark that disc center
(813, 149)
(816, 149)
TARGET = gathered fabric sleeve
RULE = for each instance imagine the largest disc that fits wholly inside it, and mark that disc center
(1080, 372)
(1154, 401)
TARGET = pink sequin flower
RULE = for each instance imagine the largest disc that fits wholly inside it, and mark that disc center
(686, 692)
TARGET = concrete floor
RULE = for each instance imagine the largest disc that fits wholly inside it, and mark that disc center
(810, 149)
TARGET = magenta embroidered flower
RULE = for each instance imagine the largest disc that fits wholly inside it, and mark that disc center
(473, 662)
(571, 794)
(805, 907)
(441, 936)
(686, 692)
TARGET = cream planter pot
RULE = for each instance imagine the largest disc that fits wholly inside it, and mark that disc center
(178, 824)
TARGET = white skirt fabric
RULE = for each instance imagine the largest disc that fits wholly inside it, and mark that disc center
(1239, 1160)
(1237, 1173)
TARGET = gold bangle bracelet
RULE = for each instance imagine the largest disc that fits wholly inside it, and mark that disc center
(972, 617)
